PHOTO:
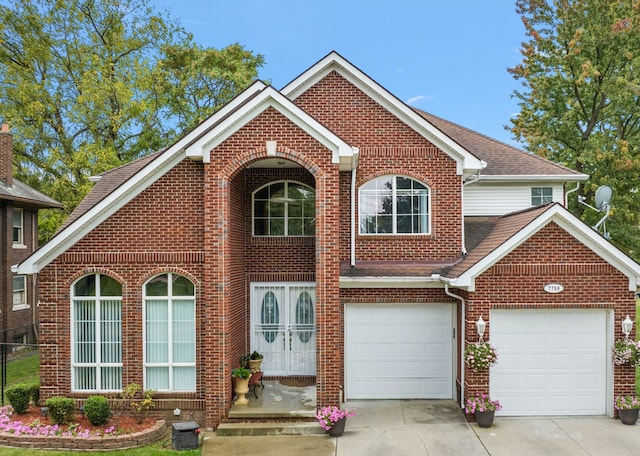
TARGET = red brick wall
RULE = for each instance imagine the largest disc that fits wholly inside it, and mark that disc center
(550, 256)
(388, 146)
(160, 231)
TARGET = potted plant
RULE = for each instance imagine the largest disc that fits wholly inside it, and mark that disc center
(255, 361)
(626, 351)
(628, 408)
(333, 419)
(483, 408)
(241, 377)
(480, 355)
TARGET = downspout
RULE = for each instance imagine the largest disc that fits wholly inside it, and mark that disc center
(34, 277)
(566, 195)
(353, 217)
(470, 180)
(463, 320)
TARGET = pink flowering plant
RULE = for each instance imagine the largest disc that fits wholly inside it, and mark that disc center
(16, 427)
(627, 403)
(328, 416)
(480, 355)
(481, 403)
(626, 351)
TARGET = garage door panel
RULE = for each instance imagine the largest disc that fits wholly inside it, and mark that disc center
(551, 362)
(398, 351)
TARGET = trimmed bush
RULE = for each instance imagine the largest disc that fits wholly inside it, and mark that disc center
(97, 409)
(34, 393)
(18, 396)
(60, 409)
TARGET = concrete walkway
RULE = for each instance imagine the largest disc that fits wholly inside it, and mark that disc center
(420, 428)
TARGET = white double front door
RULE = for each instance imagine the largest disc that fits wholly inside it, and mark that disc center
(283, 327)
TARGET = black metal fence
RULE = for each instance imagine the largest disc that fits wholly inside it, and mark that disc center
(19, 363)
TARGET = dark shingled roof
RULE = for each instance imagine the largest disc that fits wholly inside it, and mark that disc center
(108, 182)
(22, 193)
(502, 159)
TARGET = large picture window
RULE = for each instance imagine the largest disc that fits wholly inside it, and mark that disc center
(96, 320)
(170, 333)
(284, 209)
(394, 205)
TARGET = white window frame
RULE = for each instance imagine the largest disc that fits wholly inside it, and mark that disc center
(23, 304)
(170, 364)
(18, 243)
(545, 196)
(98, 364)
(394, 215)
(286, 210)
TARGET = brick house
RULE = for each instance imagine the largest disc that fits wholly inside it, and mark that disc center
(351, 239)
(19, 205)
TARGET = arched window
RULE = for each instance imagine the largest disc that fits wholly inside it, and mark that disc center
(96, 334)
(170, 333)
(394, 205)
(284, 209)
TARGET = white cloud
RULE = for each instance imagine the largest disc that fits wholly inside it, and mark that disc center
(418, 98)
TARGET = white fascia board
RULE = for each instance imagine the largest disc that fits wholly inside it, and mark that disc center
(574, 226)
(532, 178)
(189, 141)
(466, 162)
(342, 153)
(390, 282)
(100, 212)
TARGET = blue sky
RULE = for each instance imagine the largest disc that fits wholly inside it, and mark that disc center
(447, 58)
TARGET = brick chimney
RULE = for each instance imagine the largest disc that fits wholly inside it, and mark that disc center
(6, 156)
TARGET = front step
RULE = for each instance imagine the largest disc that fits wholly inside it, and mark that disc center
(254, 429)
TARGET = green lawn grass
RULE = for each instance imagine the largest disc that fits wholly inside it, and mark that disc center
(24, 369)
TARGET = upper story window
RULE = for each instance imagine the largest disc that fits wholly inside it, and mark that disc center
(20, 292)
(541, 195)
(169, 333)
(18, 231)
(96, 334)
(394, 205)
(284, 209)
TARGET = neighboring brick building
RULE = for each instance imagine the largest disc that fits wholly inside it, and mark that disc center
(19, 205)
(351, 239)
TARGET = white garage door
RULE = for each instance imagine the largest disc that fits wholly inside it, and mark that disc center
(550, 362)
(399, 351)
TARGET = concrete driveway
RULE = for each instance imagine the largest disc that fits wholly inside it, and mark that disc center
(420, 428)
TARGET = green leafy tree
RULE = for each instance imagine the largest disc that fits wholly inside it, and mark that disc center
(580, 102)
(88, 85)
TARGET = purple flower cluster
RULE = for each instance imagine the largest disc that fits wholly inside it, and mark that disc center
(627, 403)
(480, 355)
(481, 403)
(16, 427)
(626, 351)
(328, 416)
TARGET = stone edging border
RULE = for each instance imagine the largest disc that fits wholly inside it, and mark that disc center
(109, 442)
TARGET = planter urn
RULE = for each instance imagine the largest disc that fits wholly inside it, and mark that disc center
(241, 389)
(485, 419)
(338, 428)
(628, 416)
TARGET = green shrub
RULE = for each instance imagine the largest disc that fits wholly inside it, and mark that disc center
(34, 393)
(97, 409)
(60, 409)
(18, 397)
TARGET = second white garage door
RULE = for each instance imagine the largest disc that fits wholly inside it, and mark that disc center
(399, 351)
(550, 362)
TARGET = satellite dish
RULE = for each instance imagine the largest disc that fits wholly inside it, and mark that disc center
(603, 197)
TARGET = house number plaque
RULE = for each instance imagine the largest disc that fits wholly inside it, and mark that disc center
(554, 288)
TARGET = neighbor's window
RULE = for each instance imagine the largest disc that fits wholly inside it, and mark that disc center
(96, 334)
(284, 209)
(20, 292)
(170, 333)
(394, 205)
(541, 195)
(18, 232)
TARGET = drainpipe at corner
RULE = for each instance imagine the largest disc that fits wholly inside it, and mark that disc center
(566, 195)
(463, 321)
